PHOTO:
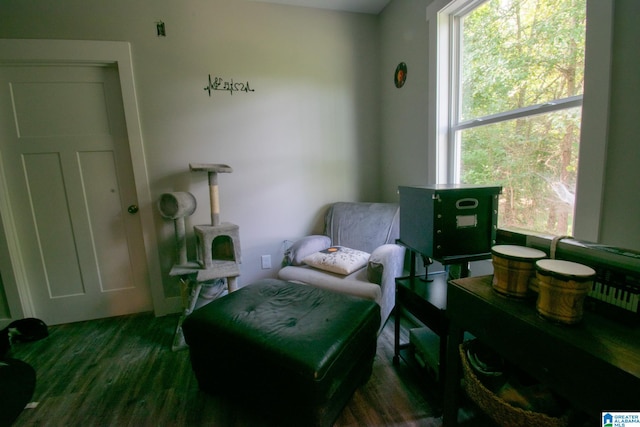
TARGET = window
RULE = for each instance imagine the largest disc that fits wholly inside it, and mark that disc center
(506, 105)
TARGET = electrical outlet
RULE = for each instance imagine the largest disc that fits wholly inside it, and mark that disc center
(266, 262)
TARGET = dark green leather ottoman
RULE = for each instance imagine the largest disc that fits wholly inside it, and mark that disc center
(295, 352)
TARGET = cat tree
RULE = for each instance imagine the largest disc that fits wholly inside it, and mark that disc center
(217, 245)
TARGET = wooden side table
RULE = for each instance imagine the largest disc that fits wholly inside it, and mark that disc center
(427, 301)
(595, 364)
(425, 297)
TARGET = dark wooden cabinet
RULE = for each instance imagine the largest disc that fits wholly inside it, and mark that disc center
(425, 299)
(595, 364)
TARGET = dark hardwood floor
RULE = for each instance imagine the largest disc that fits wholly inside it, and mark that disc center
(121, 372)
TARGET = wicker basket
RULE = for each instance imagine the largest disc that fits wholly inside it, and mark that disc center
(500, 411)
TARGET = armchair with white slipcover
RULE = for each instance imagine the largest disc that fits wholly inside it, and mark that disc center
(356, 255)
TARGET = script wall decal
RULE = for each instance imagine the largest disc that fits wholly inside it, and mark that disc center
(229, 86)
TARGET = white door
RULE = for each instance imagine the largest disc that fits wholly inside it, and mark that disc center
(66, 159)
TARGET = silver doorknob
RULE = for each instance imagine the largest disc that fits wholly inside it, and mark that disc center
(133, 209)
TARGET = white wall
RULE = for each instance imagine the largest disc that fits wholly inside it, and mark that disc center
(404, 38)
(307, 136)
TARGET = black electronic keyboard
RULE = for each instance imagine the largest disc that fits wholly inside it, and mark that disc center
(618, 290)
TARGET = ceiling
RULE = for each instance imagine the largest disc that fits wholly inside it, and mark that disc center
(358, 6)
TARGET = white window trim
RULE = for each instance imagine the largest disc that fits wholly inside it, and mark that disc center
(595, 106)
(556, 105)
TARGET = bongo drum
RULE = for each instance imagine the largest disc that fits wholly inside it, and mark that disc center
(563, 286)
(513, 266)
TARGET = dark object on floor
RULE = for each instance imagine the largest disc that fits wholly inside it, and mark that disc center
(5, 345)
(29, 329)
(285, 349)
(24, 330)
(17, 383)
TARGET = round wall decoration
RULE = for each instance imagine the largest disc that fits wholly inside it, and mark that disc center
(400, 75)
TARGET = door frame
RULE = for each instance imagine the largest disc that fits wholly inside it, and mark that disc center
(31, 52)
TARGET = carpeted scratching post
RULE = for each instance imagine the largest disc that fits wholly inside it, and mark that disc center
(213, 171)
(218, 244)
(217, 247)
(177, 206)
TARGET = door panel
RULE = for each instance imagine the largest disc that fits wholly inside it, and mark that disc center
(52, 226)
(68, 168)
(107, 219)
(48, 109)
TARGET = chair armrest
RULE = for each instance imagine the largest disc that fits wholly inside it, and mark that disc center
(305, 246)
(387, 261)
(385, 264)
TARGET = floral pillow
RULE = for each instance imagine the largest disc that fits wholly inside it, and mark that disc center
(338, 259)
